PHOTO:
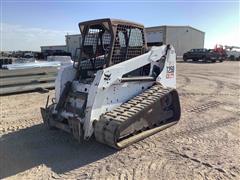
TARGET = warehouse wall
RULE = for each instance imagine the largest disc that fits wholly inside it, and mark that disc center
(184, 38)
(154, 35)
(53, 48)
(73, 42)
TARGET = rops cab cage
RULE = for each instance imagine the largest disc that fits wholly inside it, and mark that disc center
(106, 42)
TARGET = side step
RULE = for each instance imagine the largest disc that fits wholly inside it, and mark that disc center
(146, 114)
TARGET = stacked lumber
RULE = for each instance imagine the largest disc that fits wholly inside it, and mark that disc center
(21, 80)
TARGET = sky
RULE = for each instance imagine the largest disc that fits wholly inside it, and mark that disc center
(29, 24)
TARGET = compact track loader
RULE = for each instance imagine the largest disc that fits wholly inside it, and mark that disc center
(118, 90)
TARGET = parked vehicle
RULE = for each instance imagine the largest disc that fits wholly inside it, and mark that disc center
(221, 52)
(201, 54)
(233, 53)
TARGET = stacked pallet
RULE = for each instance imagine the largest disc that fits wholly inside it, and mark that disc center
(21, 80)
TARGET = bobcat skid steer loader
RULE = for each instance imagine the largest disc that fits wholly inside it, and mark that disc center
(118, 90)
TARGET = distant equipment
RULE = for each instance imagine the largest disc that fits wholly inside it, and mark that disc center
(233, 52)
(221, 52)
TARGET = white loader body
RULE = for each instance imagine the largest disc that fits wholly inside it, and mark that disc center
(106, 94)
(118, 89)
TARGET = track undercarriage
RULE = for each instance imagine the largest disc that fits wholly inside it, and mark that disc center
(148, 113)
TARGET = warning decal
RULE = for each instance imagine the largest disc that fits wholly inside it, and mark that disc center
(170, 72)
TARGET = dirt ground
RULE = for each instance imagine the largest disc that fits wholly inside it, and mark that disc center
(205, 144)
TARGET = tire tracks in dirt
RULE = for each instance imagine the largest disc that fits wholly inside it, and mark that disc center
(230, 85)
(154, 157)
(212, 75)
(197, 130)
(204, 107)
(194, 164)
(186, 79)
(144, 170)
(8, 127)
(193, 134)
(206, 97)
(186, 94)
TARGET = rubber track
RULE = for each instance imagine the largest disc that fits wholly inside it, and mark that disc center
(108, 123)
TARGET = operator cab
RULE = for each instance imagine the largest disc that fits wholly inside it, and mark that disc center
(106, 42)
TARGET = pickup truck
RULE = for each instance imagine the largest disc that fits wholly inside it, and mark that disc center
(202, 54)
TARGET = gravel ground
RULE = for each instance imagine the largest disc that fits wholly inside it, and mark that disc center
(205, 144)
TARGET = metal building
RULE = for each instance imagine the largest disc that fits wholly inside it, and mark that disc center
(183, 38)
(53, 48)
(73, 44)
